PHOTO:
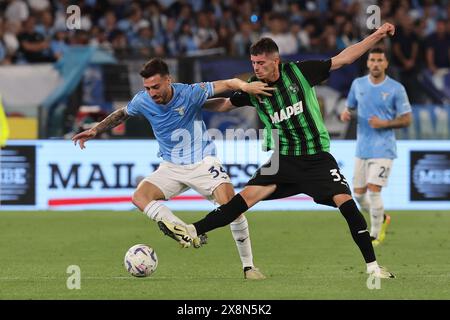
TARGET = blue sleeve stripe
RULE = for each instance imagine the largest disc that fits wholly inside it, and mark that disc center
(210, 89)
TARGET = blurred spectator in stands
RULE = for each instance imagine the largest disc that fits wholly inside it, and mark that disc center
(86, 15)
(437, 48)
(3, 50)
(108, 22)
(167, 4)
(38, 5)
(119, 43)
(386, 9)
(405, 54)
(228, 19)
(145, 44)
(157, 19)
(295, 13)
(80, 38)
(207, 35)
(243, 11)
(405, 46)
(243, 39)
(347, 36)
(188, 42)
(130, 25)
(59, 44)
(45, 25)
(33, 46)
(437, 57)
(171, 45)
(285, 41)
(419, 30)
(215, 7)
(328, 39)
(185, 16)
(430, 12)
(99, 39)
(308, 36)
(11, 31)
(225, 38)
(339, 19)
(297, 31)
(280, 6)
(17, 10)
(446, 13)
(59, 14)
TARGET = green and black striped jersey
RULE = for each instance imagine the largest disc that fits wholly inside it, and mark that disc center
(292, 109)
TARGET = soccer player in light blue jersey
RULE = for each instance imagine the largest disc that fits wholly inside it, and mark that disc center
(174, 110)
(382, 106)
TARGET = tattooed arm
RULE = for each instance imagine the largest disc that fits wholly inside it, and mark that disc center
(111, 121)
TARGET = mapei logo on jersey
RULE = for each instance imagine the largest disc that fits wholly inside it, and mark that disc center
(180, 110)
(286, 113)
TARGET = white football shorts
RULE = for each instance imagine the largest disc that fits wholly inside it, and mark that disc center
(374, 171)
(204, 177)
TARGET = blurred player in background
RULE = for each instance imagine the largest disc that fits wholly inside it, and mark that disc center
(174, 110)
(305, 164)
(383, 106)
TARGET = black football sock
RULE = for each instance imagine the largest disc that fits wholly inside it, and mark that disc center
(358, 229)
(223, 215)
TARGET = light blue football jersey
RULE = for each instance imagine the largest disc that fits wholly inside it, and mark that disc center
(178, 126)
(386, 100)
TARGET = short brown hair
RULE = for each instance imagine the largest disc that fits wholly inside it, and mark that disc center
(378, 50)
(263, 45)
(154, 66)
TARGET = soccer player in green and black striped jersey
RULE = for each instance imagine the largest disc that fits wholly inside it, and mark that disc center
(302, 148)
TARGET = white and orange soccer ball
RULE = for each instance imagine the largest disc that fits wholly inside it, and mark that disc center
(141, 260)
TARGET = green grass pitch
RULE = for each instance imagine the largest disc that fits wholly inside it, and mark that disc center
(305, 255)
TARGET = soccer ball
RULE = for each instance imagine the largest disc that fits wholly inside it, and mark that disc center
(141, 260)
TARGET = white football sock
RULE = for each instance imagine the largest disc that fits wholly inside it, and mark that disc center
(363, 201)
(376, 213)
(156, 211)
(372, 267)
(241, 235)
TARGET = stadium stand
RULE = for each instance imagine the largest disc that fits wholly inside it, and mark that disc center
(197, 35)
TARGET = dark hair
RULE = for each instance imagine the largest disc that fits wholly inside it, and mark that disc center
(154, 66)
(263, 45)
(378, 50)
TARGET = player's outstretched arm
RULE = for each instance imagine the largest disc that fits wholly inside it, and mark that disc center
(254, 88)
(218, 105)
(350, 54)
(109, 122)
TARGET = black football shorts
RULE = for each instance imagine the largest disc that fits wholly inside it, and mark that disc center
(316, 175)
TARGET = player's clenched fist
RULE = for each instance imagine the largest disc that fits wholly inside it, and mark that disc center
(386, 29)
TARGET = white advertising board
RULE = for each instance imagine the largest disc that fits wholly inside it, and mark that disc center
(104, 175)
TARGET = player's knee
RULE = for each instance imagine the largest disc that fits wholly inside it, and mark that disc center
(140, 200)
(373, 187)
(136, 200)
(223, 194)
(360, 198)
(224, 198)
(359, 190)
(340, 199)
